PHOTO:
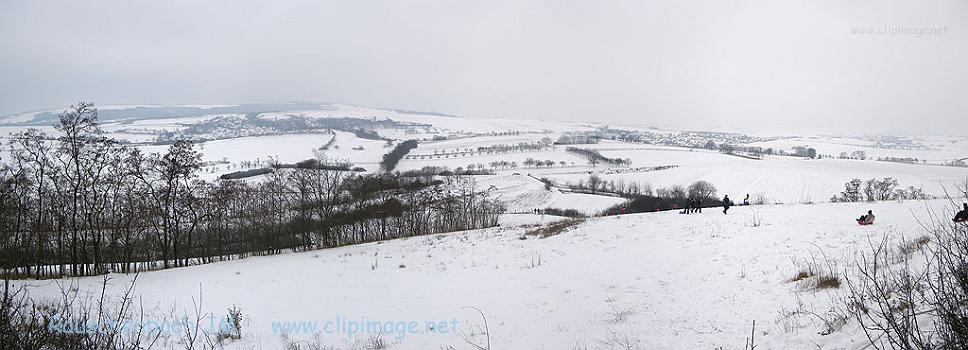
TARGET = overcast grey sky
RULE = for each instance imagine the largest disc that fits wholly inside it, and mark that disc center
(701, 63)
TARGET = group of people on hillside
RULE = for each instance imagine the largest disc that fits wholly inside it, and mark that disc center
(695, 205)
(866, 219)
(692, 206)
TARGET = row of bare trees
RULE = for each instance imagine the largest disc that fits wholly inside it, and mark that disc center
(872, 190)
(80, 203)
(596, 184)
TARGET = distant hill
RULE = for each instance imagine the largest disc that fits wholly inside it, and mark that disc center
(140, 112)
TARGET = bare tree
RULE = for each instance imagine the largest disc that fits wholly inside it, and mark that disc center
(701, 190)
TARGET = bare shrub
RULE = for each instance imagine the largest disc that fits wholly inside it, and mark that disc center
(315, 343)
(376, 342)
(914, 246)
(618, 314)
(885, 297)
(757, 219)
(625, 340)
(233, 321)
(831, 320)
(760, 199)
(906, 300)
(485, 332)
(72, 322)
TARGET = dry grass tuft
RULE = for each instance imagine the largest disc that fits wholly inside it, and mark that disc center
(911, 247)
(802, 275)
(827, 282)
(554, 229)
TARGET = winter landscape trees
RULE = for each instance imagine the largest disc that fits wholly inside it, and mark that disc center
(702, 190)
(595, 157)
(871, 190)
(81, 204)
(139, 211)
(391, 159)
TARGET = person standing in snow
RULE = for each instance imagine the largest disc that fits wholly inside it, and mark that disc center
(726, 203)
(687, 208)
(746, 201)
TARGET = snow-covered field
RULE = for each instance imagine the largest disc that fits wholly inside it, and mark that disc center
(473, 124)
(778, 179)
(934, 148)
(521, 193)
(644, 281)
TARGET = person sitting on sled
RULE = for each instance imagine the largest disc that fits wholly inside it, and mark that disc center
(866, 219)
(963, 214)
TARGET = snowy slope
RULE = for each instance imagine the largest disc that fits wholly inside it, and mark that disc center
(521, 193)
(779, 179)
(646, 281)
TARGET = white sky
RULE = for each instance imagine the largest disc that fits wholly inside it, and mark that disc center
(665, 63)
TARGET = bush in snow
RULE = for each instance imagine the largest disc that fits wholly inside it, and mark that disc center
(912, 295)
(73, 321)
(232, 328)
(572, 213)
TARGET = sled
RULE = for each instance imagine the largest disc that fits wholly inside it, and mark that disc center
(864, 223)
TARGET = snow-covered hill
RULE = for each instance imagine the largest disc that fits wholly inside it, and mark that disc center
(646, 281)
